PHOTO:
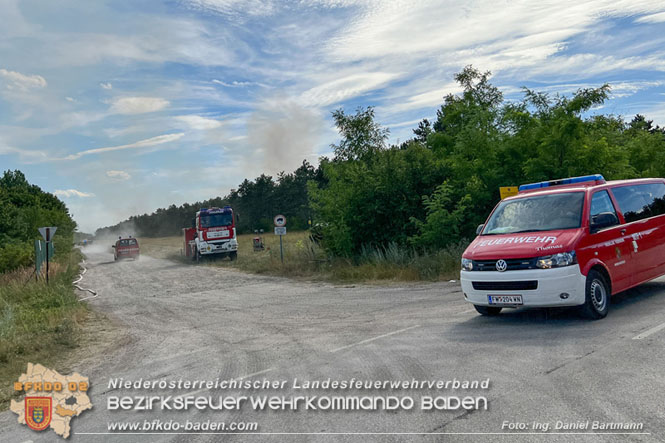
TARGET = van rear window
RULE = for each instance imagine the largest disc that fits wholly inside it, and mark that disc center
(638, 202)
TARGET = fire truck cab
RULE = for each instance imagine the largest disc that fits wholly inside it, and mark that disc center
(213, 234)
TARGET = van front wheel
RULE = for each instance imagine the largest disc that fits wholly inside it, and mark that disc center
(597, 301)
(487, 310)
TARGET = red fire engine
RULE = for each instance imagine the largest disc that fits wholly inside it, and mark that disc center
(213, 234)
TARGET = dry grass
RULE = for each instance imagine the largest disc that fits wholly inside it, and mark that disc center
(303, 258)
(38, 323)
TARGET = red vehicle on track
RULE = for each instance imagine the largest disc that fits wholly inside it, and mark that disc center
(570, 242)
(126, 248)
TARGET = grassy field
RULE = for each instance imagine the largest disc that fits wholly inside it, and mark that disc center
(38, 323)
(306, 259)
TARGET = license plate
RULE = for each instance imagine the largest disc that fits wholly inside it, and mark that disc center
(217, 234)
(505, 299)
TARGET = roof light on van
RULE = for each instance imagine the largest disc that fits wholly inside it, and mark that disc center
(595, 178)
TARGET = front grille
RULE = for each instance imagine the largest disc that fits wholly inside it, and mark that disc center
(514, 264)
(527, 285)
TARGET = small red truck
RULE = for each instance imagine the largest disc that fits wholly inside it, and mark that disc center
(213, 234)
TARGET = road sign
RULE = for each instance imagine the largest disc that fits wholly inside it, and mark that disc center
(280, 230)
(508, 191)
(280, 220)
(48, 232)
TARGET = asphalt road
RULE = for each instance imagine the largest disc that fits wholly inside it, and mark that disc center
(203, 323)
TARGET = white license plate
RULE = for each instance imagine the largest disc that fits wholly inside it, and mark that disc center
(217, 234)
(504, 299)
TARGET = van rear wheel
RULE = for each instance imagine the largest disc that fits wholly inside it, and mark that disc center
(487, 310)
(597, 301)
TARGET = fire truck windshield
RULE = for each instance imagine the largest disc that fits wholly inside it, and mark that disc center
(214, 220)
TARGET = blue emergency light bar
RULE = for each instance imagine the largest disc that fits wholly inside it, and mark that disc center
(564, 181)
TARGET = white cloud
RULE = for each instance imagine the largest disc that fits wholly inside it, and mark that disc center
(154, 141)
(137, 105)
(346, 87)
(199, 123)
(72, 193)
(118, 175)
(658, 17)
(431, 26)
(107, 85)
(22, 82)
(70, 99)
(428, 99)
(26, 155)
(233, 84)
(235, 7)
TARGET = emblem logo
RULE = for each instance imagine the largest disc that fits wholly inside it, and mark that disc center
(38, 412)
(501, 265)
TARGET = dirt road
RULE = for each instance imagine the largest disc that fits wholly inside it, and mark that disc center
(205, 323)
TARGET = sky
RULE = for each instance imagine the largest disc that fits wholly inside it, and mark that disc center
(121, 107)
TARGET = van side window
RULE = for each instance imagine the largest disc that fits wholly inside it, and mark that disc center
(601, 203)
(638, 202)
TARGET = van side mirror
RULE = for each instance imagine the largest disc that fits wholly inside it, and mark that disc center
(479, 229)
(602, 221)
(113, 246)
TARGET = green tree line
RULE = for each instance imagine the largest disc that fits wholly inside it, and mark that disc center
(255, 202)
(434, 189)
(23, 209)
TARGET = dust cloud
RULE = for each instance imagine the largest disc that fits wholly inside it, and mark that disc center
(282, 133)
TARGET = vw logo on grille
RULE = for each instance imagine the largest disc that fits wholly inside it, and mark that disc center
(501, 265)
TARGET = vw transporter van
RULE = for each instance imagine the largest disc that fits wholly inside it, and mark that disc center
(569, 242)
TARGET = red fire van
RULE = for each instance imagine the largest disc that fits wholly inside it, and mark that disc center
(569, 242)
(126, 248)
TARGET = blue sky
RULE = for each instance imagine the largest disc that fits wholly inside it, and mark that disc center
(121, 107)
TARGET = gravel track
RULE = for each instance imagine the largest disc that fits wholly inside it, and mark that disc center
(200, 322)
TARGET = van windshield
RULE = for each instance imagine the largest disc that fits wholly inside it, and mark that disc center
(538, 213)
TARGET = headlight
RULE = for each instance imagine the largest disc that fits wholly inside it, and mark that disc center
(557, 260)
(467, 264)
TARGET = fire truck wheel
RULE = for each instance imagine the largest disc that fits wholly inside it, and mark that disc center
(233, 255)
(487, 310)
(597, 301)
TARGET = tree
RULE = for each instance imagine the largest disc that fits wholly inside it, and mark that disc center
(422, 131)
(23, 209)
(361, 135)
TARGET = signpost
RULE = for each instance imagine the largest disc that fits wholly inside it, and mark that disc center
(280, 229)
(47, 233)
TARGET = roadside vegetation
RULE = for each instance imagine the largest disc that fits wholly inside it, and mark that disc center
(38, 323)
(304, 258)
(410, 206)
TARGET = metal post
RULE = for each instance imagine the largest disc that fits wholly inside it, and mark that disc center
(281, 251)
(47, 261)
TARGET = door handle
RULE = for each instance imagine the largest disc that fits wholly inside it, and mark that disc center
(623, 232)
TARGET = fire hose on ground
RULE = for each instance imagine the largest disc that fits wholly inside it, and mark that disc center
(76, 285)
